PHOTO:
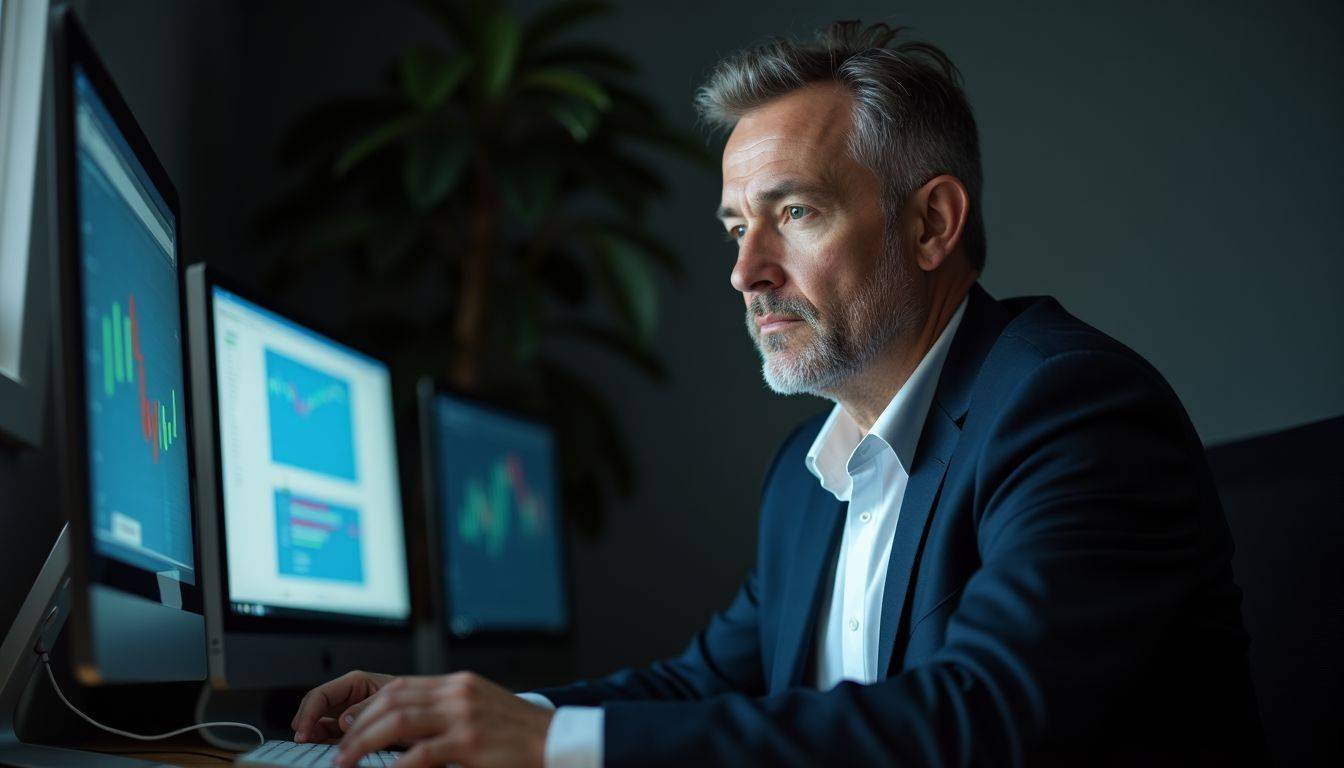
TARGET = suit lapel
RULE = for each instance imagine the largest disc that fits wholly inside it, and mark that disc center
(819, 531)
(818, 538)
(980, 328)
(930, 465)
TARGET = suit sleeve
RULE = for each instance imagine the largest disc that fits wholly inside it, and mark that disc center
(1091, 515)
(722, 658)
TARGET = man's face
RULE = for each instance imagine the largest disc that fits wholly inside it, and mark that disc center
(825, 288)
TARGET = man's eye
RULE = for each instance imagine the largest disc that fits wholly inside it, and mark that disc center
(737, 232)
(797, 211)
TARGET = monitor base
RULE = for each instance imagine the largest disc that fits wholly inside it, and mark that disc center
(40, 619)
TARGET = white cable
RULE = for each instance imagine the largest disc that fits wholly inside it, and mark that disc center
(219, 742)
(46, 663)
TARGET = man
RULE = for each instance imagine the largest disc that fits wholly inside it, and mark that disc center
(1001, 546)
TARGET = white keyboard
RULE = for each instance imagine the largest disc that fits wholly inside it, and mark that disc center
(288, 753)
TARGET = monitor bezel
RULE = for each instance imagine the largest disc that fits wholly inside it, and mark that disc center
(307, 622)
(428, 389)
(71, 47)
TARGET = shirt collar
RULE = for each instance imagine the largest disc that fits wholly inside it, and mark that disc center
(898, 426)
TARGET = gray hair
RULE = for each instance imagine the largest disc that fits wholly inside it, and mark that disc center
(912, 121)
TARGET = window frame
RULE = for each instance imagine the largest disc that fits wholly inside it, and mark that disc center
(26, 236)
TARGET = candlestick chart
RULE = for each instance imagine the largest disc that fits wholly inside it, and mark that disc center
(133, 372)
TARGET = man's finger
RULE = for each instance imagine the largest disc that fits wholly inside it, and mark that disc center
(326, 700)
(390, 699)
(432, 753)
(404, 724)
(325, 729)
(353, 712)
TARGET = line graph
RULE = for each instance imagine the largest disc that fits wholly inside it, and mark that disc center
(488, 508)
(310, 417)
(304, 406)
(501, 518)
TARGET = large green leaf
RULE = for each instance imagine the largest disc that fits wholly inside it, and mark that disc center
(518, 316)
(567, 83)
(577, 117)
(432, 166)
(336, 232)
(390, 252)
(584, 55)
(428, 77)
(528, 190)
(642, 239)
(374, 141)
(630, 285)
(328, 126)
(497, 53)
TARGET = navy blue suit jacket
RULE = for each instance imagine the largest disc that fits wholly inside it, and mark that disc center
(1059, 589)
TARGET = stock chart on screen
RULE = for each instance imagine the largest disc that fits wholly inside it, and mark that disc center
(317, 539)
(497, 492)
(310, 418)
(312, 503)
(133, 355)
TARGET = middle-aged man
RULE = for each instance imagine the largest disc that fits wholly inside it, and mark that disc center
(1002, 545)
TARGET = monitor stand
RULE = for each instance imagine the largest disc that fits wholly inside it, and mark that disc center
(41, 617)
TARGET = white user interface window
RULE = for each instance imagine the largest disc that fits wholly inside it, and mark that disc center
(312, 505)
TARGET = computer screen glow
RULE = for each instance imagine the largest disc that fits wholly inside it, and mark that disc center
(312, 506)
(498, 513)
(140, 489)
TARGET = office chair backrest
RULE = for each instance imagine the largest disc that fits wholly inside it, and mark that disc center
(1284, 498)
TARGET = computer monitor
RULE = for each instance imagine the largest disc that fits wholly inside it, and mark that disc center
(302, 535)
(493, 497)
(122, 393)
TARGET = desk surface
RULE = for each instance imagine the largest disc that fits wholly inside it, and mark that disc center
(185, 752)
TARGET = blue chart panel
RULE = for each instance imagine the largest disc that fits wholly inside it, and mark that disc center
(497, 488)
(317, 539)
(133, 352)
(310, 418)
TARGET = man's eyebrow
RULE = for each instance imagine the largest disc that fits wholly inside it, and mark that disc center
(778, 192)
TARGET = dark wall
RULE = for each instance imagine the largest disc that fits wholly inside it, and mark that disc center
(1170, 174)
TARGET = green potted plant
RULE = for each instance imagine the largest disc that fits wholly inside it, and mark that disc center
(504, 174)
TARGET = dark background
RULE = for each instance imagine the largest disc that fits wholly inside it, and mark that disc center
(1172, 175)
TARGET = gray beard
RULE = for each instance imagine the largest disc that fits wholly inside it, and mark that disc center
(843, 341)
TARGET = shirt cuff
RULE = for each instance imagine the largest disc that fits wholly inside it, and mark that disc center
(538, 699)
(574, 739)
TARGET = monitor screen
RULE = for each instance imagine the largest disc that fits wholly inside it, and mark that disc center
(312, 502)
(498, 515)
(139, 484)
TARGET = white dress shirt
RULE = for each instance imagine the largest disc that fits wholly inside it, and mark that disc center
(870, 472)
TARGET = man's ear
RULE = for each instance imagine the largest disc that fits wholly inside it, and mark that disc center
(940, 209)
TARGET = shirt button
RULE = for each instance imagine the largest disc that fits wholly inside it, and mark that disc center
(865, 516)
(853, 625)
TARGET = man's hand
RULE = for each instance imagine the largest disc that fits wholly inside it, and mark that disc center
(459, 718)
(329, 710)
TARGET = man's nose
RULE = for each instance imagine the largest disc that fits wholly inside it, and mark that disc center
(758, 267)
